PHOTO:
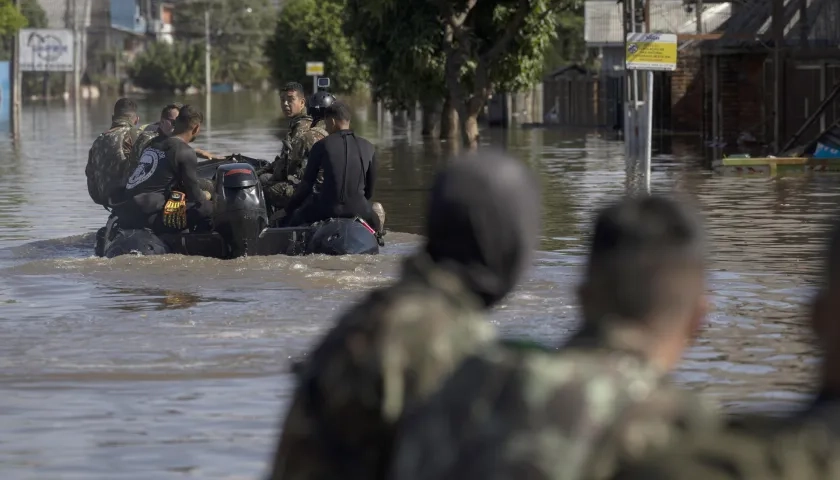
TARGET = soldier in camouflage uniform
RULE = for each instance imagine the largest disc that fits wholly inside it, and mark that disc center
(109, 156)
(282, 176)
(802, 446)
(518, 410)
(395, 347)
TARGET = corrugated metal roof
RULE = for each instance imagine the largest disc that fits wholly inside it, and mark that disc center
(603, 26)
(754, 20)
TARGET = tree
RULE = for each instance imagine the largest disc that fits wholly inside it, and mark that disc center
(405, 66)
(165, 67)
(569, 46)
(473, 48)
(496, 46)
(11, 20)
(238, 32)
(311, 31)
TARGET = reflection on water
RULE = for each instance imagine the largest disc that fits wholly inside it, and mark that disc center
(172, 366)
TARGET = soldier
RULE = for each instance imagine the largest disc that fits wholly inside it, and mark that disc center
(281, 177)
(108, 158)
(394, 348)
(801, 446)
(518, 410)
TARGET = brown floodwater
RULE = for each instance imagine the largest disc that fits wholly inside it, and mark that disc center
(174, 367)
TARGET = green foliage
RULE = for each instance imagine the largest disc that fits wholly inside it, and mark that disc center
(402, 45)
(311, 31)
(11, 20)
(164, 67)
(519, 63)
(569, 47)
(238, 32)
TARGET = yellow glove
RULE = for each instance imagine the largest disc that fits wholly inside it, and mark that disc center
(175, 211)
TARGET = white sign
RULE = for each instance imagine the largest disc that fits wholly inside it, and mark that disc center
(46, 50)
(651, 51)
(315, 69)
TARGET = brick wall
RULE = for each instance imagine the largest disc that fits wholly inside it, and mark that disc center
(687, 93)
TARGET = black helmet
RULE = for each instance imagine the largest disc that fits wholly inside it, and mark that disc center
(318, 104)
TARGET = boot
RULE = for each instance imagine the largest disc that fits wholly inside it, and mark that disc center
(380, 212)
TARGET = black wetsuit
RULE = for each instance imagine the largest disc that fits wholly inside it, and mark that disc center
(166, 164)
(349, 165)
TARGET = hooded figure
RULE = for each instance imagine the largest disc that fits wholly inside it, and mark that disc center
(395, 347)
(483, 222)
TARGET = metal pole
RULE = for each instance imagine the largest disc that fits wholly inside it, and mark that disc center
(778, 29)
(207, 80)
(648, 149)
(314, 84)
(77, 63)
(15, 82)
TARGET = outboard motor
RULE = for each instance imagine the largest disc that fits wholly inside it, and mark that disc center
(239, 207)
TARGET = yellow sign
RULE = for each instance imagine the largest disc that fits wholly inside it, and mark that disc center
(651, 51)
(315, 69)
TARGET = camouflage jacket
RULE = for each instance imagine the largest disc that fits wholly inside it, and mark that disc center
(109, 159)
(385, 354)
(805, 453)
(515, 412)
(802, 447)
(302, 135)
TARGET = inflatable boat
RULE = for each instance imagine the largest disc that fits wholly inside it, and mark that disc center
(241, 225)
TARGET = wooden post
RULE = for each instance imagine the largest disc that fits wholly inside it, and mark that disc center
(778, 28)
(16, 82)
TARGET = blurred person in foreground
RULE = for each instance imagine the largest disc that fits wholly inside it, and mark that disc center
(393, 348)
(801, 446)
(517, 410)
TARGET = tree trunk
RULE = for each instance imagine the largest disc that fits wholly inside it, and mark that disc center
(449, 120)
(431, 113)
(468, 114)
(469, 129)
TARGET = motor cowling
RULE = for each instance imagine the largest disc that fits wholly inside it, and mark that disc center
(239, 213)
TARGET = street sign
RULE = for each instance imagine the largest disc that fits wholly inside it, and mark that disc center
(315, 69)
(46, 50)
(651, 51)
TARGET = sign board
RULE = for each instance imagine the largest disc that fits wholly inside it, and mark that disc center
(651, 51)
(126, 16)
(5, 93)
(46, 50)
(315, 69)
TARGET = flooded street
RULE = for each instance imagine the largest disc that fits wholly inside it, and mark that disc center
(177, 367)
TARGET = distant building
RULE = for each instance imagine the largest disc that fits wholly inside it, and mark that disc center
(113, 31)
(604, 36)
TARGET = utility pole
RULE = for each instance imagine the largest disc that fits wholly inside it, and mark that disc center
(16, 82)
(207, 81)
(778, 28)
(698, 15)
(77, 55)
